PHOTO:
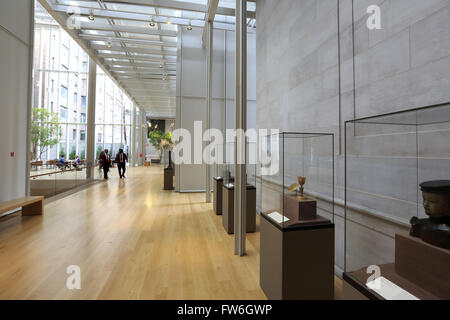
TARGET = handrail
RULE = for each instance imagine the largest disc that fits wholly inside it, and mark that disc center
(63, 171)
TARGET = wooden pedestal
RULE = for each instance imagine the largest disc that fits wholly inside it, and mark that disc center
(168, 179)
(420, 269)
(217, 201)
(228, 209)
(300, 208)
(423, 264)
(297, 263)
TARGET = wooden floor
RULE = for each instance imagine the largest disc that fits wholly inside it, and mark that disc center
(132, 241)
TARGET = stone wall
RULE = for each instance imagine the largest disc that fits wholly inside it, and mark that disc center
(310, 79)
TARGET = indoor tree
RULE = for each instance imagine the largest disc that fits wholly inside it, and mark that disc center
(160, 140)
(45, 131)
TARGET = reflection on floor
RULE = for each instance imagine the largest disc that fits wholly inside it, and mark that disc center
(131, 240)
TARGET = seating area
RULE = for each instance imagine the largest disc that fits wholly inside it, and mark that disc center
(50, 164)
(31, 206)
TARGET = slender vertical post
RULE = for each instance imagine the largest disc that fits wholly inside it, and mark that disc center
(141, 137)
(133, 138)
(209, 54)
(30, 101)
(90, 145)
(240, 185)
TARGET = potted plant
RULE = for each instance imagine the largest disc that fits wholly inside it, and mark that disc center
(161, 141)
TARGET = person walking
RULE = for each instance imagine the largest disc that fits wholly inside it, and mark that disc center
(105, 163)
(121, 160)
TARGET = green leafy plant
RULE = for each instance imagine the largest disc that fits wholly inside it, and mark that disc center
(99, 151)
(160, 140)
(61, 151)
(73, 153)
(45, 131)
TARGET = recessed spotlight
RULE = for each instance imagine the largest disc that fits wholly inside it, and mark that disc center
(152, 23)
(91, 15)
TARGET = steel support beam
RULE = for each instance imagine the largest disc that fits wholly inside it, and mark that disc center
(209, 17)
(209, 61)
(90, 144)
(240, 184)
(132, 161)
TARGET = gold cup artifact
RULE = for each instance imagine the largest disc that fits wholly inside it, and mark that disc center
(298, 187)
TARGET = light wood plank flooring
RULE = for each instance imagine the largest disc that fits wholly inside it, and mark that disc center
(132, 241)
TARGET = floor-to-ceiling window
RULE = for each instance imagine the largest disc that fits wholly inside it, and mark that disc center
(60, 78)
(113, 116)
(60, 96)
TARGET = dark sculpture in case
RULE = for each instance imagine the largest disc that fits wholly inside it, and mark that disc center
(434, 230)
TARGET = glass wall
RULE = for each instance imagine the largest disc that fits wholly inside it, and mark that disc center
(113, 116)
(60, 79)
(60, 96)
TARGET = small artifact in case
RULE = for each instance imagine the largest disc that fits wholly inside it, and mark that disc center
(299, 206)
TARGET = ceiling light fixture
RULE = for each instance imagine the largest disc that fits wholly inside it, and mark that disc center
(109, 45)
(168, 21)
(152, 22)
(91, 15)
(189, 26)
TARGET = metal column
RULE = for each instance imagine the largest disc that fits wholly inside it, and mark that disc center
(133, 138)
(240, 186)
(141, 138)
(90, 144)
(209, 61)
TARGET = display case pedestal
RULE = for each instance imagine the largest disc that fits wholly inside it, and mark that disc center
(297, 263)
(420, 268)
(217, 201)
(168, 178)
(424, 264)
(300, 207)
(228, 209)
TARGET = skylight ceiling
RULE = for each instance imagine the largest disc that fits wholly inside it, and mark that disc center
(136, 40)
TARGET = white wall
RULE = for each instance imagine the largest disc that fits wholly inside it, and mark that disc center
(15, 45)
(192, 92)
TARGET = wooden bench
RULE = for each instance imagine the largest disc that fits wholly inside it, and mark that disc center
(31, 206)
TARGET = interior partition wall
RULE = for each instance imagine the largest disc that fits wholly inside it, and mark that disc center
(16, 37)
(191, 93)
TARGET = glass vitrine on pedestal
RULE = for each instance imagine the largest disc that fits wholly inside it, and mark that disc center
(218, 184)
(395, 246)
(229, 188)
(297, 215)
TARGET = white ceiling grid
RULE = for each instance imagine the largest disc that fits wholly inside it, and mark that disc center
(136, 40)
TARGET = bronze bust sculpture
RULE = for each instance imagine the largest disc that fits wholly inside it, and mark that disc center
(434, 230)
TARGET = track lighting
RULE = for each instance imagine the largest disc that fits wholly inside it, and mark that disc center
(91, 15)
(152, 23)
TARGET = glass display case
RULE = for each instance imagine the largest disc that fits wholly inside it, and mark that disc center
(397, 243)
(297, 179)
(297, 216)
(251, 164)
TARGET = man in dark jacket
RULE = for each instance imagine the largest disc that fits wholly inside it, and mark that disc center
(105, 162)
(121, 160)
